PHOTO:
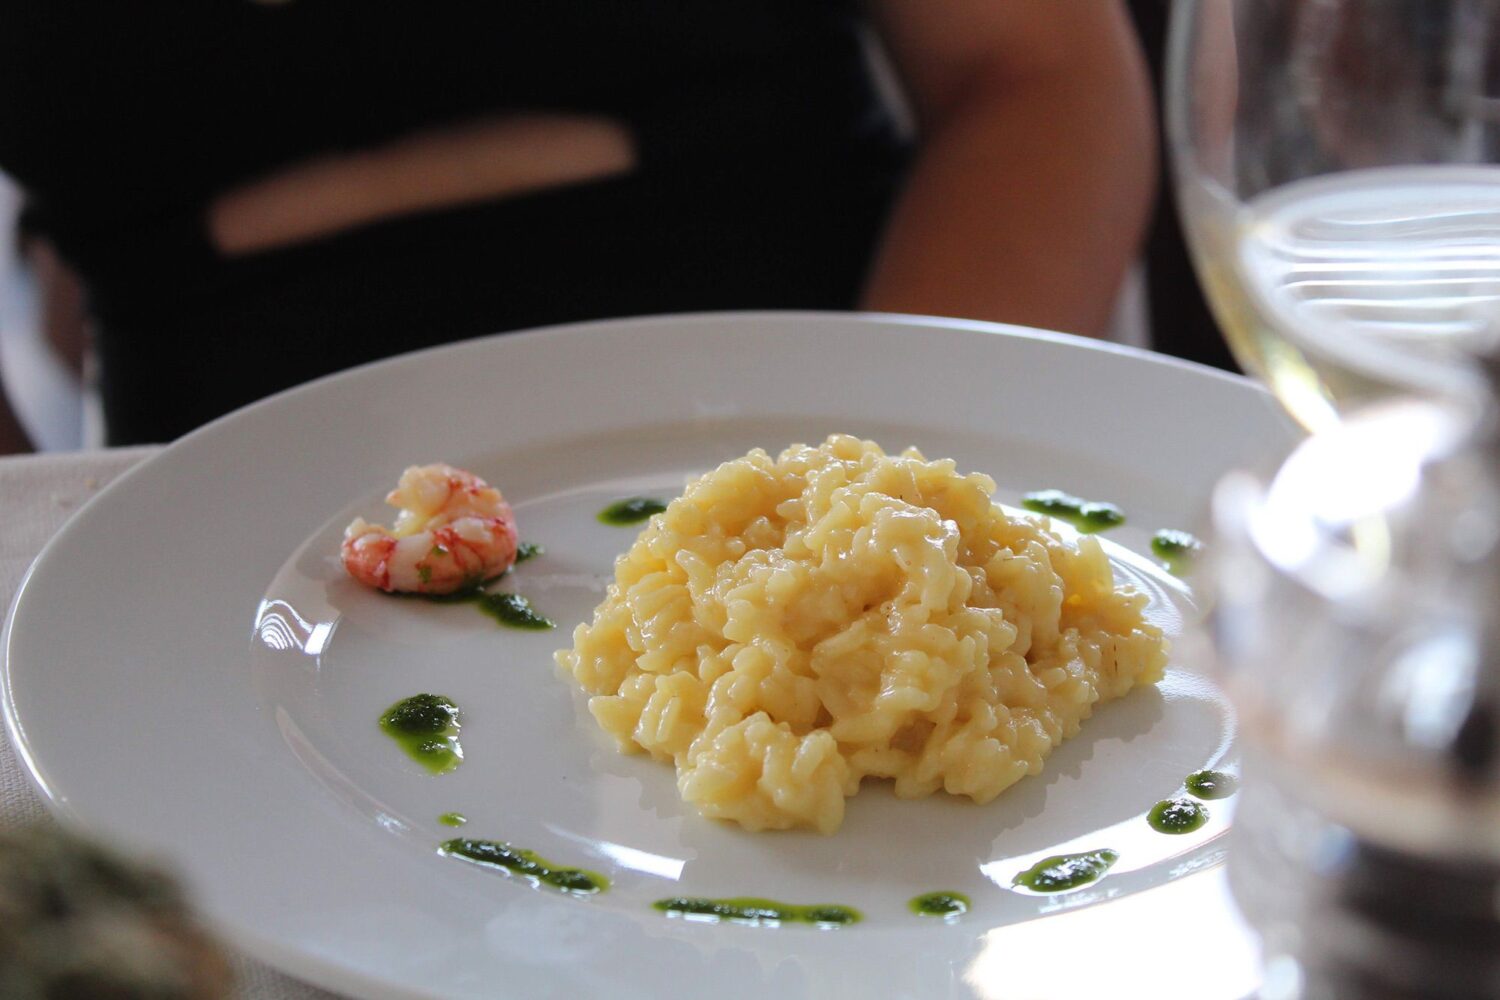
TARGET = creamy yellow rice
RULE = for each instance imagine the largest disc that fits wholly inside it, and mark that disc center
(790, 626)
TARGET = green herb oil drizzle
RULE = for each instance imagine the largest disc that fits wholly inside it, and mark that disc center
(1212, 784)
(526, 864)
(426, 727)
(1177, 816)
(1177, 549)
(510, 610)
(1087, 516)
(948, 905)
(1066, 871)
(632, 510)
(514, 611)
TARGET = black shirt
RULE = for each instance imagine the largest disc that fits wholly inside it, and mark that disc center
(766, 165)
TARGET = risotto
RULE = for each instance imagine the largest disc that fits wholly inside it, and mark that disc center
(790, 626)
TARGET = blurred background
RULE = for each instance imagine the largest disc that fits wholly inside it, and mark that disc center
(48, 367)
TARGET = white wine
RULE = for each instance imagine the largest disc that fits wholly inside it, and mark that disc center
(1353, 286)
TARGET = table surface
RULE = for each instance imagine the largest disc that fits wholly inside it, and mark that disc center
(39, 493)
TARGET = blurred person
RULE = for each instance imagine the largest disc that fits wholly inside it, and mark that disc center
(1179, 317)
(259, 193)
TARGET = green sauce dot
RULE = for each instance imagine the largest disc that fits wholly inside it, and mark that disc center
(572, 880)
(1177, 816)
(421, 713)
(632, 510)
(453, 819)
(1212, 784)
(514, 611)
(1087, 516)
(747, 910)
(527, 864)
(829, 915)
(528, 550)
(1177, 549)
(940, 904)
(426, 727)
(1066, 871)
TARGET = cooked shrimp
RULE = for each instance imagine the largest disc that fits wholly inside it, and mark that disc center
(454, 531)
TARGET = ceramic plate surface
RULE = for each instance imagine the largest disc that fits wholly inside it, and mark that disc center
(189, 671)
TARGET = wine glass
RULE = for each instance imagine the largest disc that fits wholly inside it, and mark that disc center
(1338, 174)
(1338, 169)
(1366, 839)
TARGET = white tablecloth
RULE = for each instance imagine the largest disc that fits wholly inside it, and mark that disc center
(37, 494)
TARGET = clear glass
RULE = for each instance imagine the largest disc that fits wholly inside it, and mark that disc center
(1338, 172)
(1354, 620)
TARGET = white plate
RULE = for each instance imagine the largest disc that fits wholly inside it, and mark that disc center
(189, 671)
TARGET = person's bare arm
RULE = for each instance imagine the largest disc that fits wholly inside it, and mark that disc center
(1036, 161)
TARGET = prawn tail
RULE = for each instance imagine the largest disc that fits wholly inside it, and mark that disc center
(367, 557)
